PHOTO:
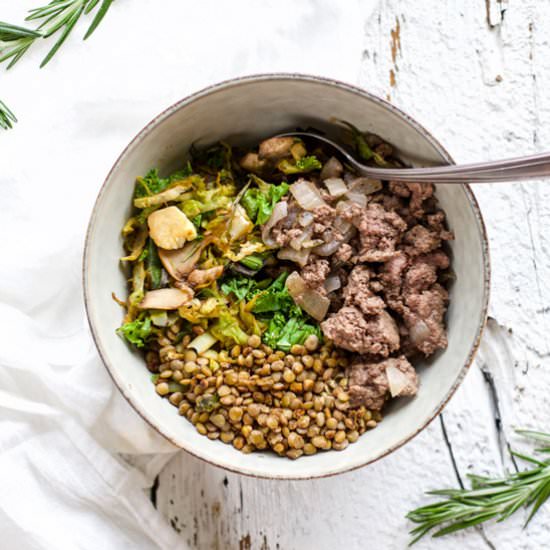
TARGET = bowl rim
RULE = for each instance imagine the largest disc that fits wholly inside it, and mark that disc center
(282, 76)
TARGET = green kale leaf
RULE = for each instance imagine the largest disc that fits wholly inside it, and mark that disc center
(259, 202)
(136, 332)
(275, 298)
(283, 332)
(151, 183)
(300, 166)
(239, 286)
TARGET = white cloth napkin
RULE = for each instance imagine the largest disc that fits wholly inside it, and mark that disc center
(62, 422)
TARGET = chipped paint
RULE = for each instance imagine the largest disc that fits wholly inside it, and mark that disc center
(392, 78)
(245, 543)
(395, 42)
(395, 49)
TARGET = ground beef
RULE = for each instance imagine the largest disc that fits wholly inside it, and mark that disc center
(423, 316)
(282, 236)
(358, 291)
(422, 272)
(324, 215)
(391, 305)
(393, 203)
(350, 329)
(411, 289)
(288, 228)
(391, 277)
(315, 273)
(400, 189)
(421, 240)
(418, 193)
(369, 385)
(379, 231)
(344, 253)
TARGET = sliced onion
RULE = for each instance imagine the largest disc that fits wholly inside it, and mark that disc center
(332, 169)
(305, 219)
(341, 225)
(343, 206)
(331, 247)
(312, 243)
(310, 300)
(307, 195)
(298, 256)
(336, 187)
(279, 212)
(397, 380)
(298, 242)
(419, 332)
(366, 185)
(327, 249)
(295, 284)
(332, 283)
(314, 303)
(357, 197)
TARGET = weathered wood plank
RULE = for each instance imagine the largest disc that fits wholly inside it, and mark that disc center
(474, 73)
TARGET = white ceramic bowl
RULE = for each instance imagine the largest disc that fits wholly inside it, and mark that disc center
(244, 111)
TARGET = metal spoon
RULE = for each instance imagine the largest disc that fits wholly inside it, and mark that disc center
(520, 168)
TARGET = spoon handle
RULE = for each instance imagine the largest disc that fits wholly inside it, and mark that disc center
(521, 168)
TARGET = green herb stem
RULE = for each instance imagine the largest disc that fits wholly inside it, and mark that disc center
(7, 118)
(59, 17)
(488, 498)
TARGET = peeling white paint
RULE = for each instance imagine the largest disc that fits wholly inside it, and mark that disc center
(475, 73)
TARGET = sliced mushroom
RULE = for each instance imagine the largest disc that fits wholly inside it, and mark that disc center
(164, 196)
(170, 228)
(275, 148)
(251, 162)
(204, 276)
(181, 262)
(166, 298)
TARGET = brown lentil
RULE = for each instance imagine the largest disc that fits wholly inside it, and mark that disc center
(255, 398)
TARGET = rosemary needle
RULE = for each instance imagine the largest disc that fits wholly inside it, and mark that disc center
(488, 498)
(59, 17)
(7, 118)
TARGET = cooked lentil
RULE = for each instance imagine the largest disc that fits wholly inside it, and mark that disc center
(239, 403)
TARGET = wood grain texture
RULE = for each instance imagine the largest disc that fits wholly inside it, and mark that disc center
(476, 74)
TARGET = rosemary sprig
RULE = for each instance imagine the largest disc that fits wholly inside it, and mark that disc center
(15, 41)
(488, 498)
(57, 17)
(7, 118)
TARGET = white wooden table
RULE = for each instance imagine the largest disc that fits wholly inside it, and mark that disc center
(477, 74)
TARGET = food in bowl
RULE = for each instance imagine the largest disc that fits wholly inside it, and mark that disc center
(280, 299)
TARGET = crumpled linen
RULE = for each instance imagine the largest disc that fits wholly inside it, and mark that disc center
(63, 424)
